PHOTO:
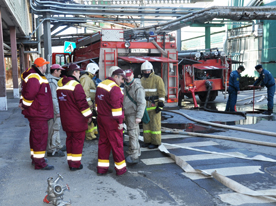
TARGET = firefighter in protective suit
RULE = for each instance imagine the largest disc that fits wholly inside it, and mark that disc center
(155, 97)
(89, 88)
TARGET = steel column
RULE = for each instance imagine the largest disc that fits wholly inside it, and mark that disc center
(3, 96)
(14, 62)
(22, 59)
(178, 40)
(47, 40)
(207, 37)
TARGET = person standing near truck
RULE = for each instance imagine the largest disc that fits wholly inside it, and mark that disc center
(54, 146)
(267, 80)
(155, 98)
(134, 107)
(37, 106)
(234, 88)
(109, 103)
(75, 114)
(89, 87)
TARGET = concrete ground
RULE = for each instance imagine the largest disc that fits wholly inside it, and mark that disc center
(147, 185)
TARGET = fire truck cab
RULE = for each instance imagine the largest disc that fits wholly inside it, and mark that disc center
(114, 47)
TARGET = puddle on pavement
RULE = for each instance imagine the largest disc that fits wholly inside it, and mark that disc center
(248, 120)
(191, 127)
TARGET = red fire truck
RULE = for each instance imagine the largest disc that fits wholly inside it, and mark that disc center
(200, 71)
(114, 47)
(184, 73)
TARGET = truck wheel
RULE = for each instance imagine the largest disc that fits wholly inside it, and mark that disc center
(180, 97)
(202, 97)
(212, 96)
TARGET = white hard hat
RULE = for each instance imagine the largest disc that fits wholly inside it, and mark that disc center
(116, 70)
(92, 68)
(146, 66)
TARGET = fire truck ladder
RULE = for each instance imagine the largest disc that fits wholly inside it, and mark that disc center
(108, 62)
(172, 76)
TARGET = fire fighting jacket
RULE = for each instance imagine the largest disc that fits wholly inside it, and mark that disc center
(89, 87)
(137, 93)
(36, 95)
(234, 80)
(53, 85)
(109, 102)
(266, 78)
(154, 90)
(74, 109)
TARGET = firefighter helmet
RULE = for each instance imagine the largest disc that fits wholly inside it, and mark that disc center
(115, 70)
(92, 68)
(146, 66)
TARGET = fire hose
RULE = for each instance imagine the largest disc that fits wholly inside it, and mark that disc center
(209, 87)
(226, 126)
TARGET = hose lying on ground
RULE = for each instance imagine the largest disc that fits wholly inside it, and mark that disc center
(174, 131)
(226, 126)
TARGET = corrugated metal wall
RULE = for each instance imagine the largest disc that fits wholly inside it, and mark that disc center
(20, 10)
(269, 43)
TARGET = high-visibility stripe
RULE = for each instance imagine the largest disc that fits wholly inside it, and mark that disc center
(76, 157)
(117, 112)
(151, 108)
(96, 107)
(39, 154)
(32, 152)
(27, 102)
(152, 132)
(38, 77)
(69, 156)
(88, 99)
(107, 87)
(155, 132)
(68, 86)
(89, 130)
(21, 97)
(94, 128)
(103, 163)
(150, 90)
(120, 165)
(86, 112)
(92, 90)
(162, 99)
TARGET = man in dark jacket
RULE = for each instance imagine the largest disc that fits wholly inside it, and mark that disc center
(234, 88)
(74, 113)
(267, 80)
(37, 106)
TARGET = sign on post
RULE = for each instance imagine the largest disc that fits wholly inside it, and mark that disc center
(69, 47)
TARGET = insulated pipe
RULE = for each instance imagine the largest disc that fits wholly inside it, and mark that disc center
(226, 126)
(269, 144)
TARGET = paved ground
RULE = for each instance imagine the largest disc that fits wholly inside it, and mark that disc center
(156, 180)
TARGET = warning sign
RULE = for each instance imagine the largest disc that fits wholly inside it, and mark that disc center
(69, 47)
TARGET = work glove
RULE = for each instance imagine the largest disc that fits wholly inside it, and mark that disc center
(159, 107)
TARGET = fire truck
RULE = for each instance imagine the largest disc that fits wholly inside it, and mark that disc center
(200, 71)
(187, 73)
(114, 47)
